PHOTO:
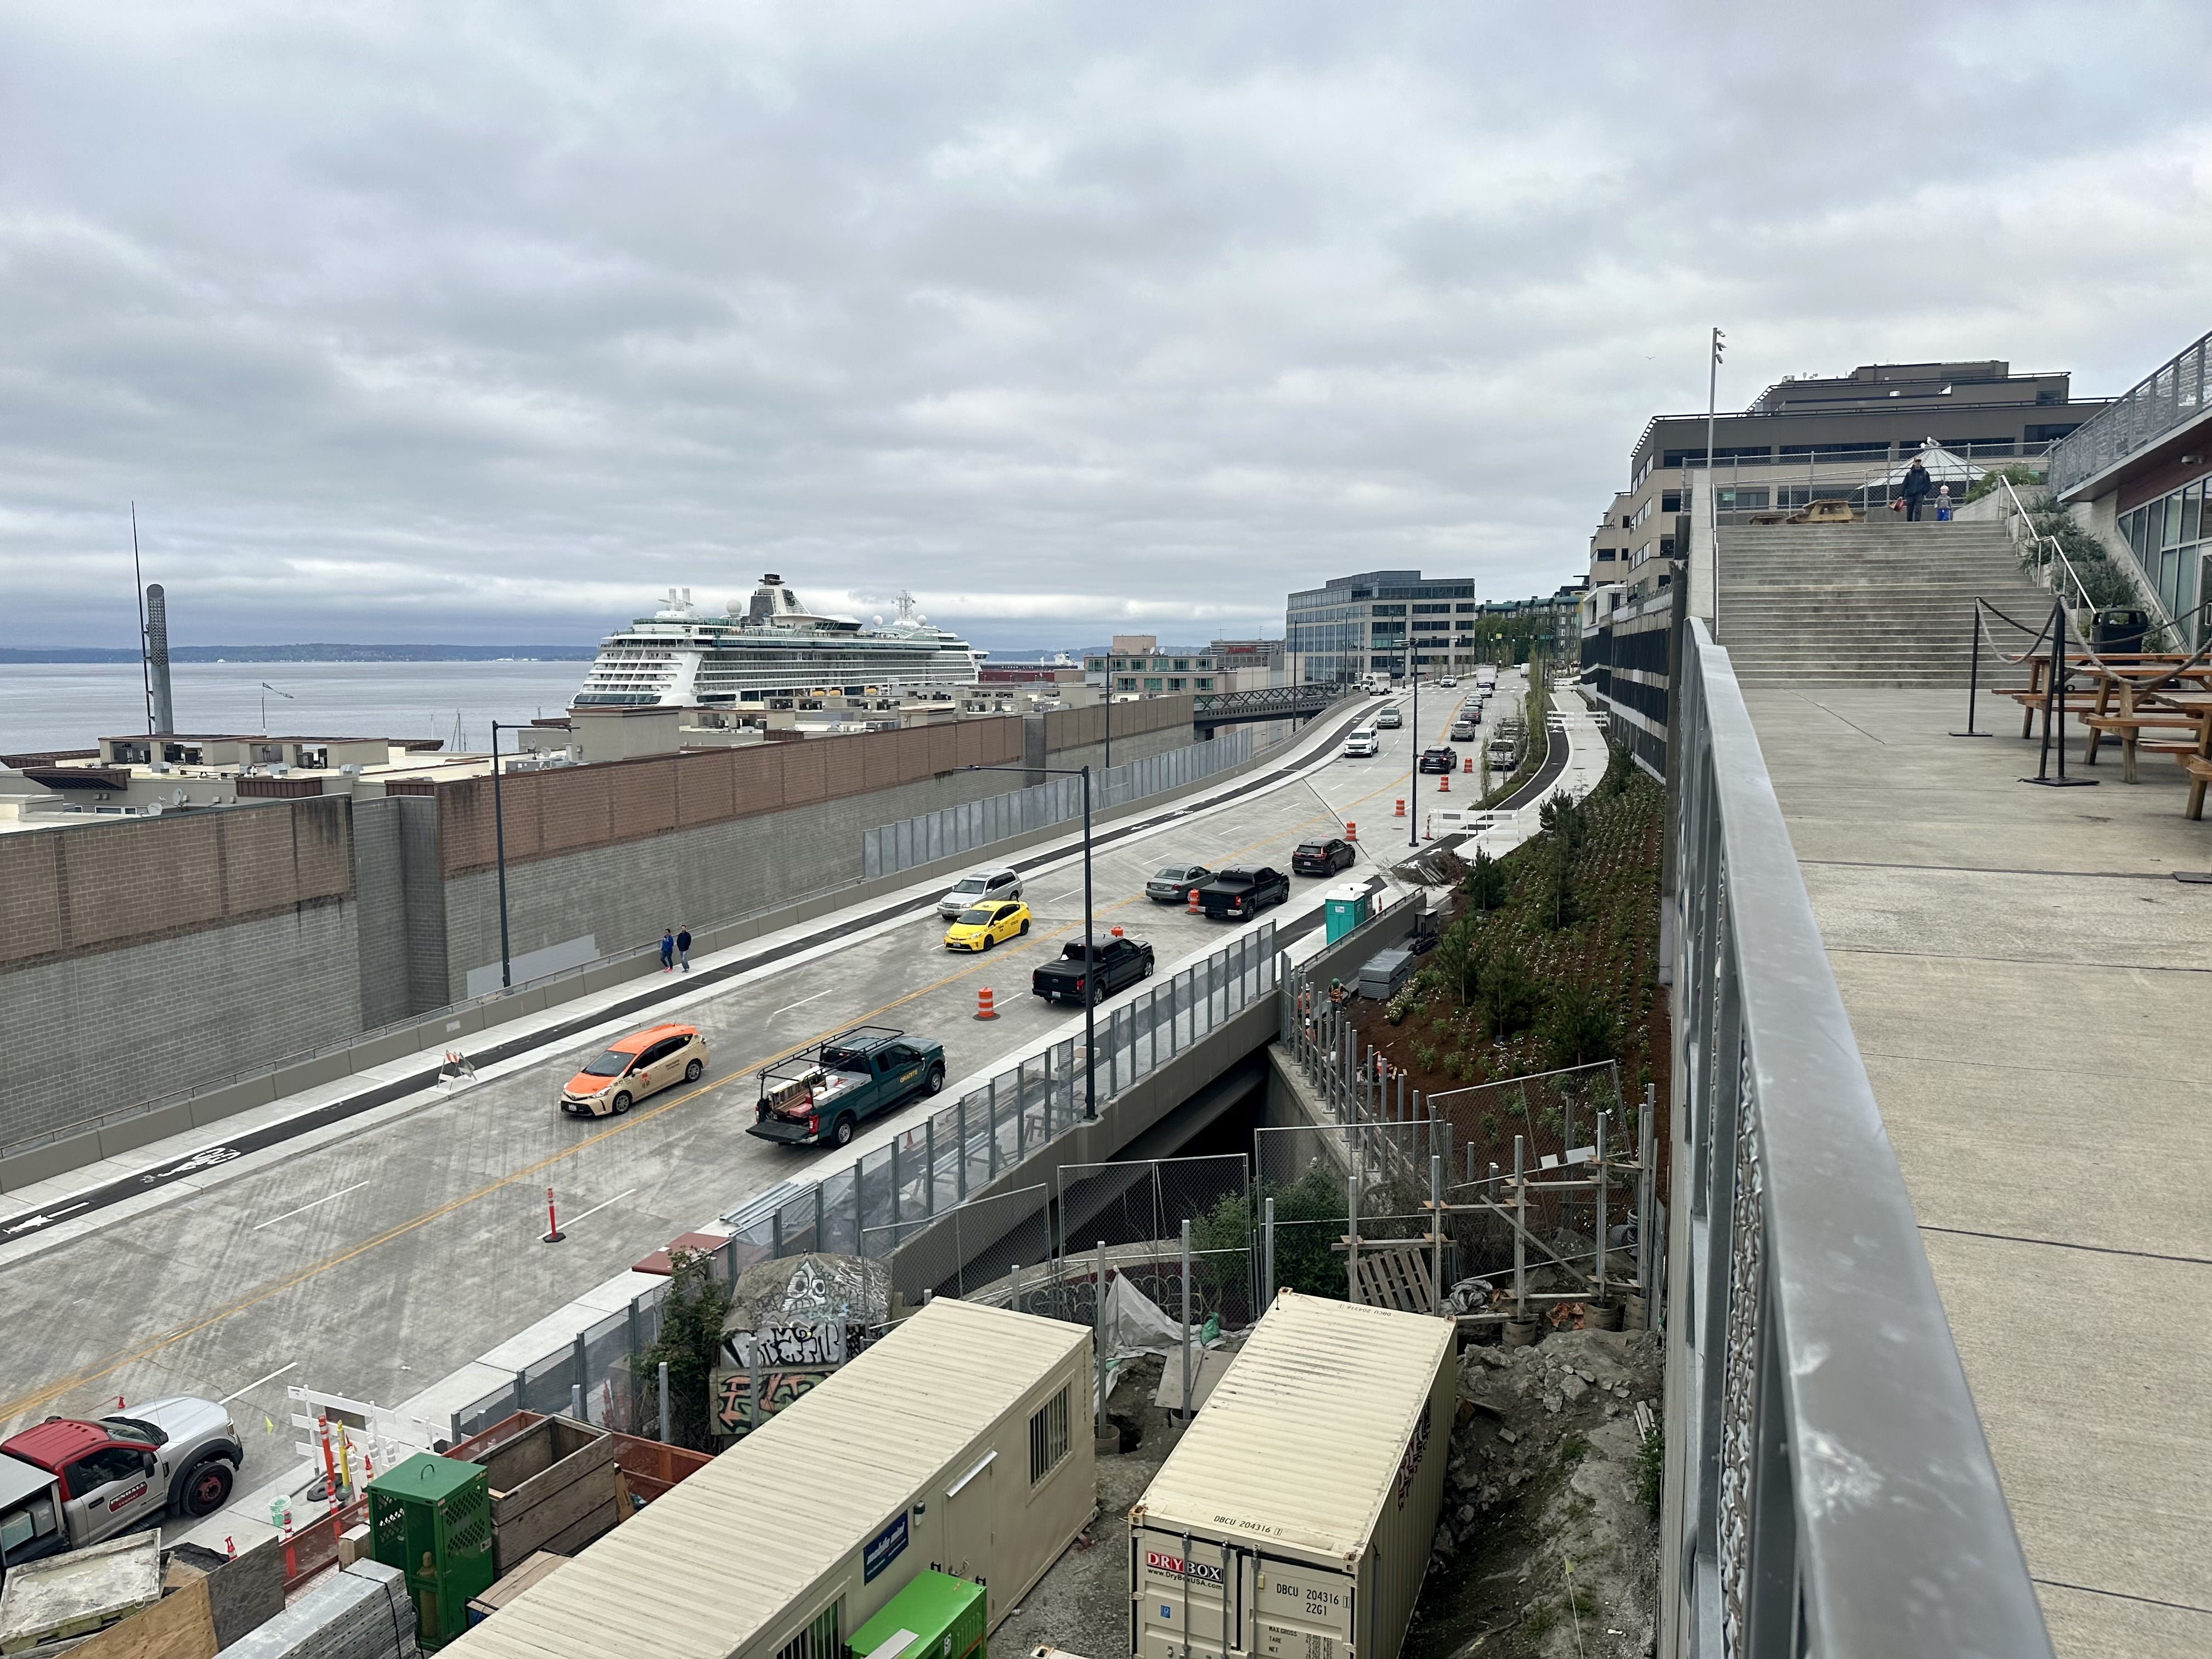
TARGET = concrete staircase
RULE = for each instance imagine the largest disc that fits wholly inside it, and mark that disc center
(1877, 603)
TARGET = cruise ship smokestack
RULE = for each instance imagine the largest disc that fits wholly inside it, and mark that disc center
(157, 658)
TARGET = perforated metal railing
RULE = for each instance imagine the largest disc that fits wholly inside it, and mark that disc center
(1828, 1488)
(2170, 396)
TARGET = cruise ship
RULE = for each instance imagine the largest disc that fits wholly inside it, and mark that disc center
(767, 649)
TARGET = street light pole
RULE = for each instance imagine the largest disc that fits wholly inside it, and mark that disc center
(1413, 787)
(499, 842)
(1090, 934)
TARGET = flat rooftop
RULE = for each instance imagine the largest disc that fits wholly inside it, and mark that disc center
(2028, 985)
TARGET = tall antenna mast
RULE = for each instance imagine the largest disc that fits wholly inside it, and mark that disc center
(138, 592)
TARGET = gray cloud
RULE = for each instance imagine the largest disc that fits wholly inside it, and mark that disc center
(489, 322)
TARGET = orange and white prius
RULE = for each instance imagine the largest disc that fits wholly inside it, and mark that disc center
(632, 1067)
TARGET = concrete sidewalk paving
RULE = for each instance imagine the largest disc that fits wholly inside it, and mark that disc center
(2027, 983)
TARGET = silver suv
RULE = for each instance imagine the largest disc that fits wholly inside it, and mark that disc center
(980, 887)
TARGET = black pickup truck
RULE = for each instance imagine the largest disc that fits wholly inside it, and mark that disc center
(1120, 962)
(1241, 895)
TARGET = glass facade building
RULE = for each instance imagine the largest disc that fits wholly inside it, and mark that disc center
(2171, 540)
(1376, 622)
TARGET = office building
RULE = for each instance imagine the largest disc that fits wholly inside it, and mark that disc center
(1355, 625)
(1811, 437)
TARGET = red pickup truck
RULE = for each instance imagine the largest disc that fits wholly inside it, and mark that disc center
(71, 1481)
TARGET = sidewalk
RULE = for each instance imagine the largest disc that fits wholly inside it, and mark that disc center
(2027, 983)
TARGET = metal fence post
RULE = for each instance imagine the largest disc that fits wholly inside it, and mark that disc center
(859, 1211)
(1186, 1324)
(992, 1106)
(1352, 1234)
(1436, 1231)
(898, 1198)
(960, 1185)
(578, 1359)
(1268, 1254)
(821, 1241)
(667, 1428)
(1604, 1175)
(775, 1235)
(1646, 1146)
(1520, 1236)
(928, 1167)
(1098, 1337)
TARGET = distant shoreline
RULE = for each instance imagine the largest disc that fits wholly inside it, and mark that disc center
(275, 654)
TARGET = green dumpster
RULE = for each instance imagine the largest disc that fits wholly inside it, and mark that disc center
(935, 1617)
(431, 1518)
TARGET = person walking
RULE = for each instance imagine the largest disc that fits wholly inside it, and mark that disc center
(1918, 484)
(683, 948)
(1943, 505)
(668, 952)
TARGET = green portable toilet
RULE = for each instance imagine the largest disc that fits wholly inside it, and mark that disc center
(431, 1518)
(1345, 908)
(935, 1617)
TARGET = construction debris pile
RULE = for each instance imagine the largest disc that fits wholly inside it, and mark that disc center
(1547, 1545)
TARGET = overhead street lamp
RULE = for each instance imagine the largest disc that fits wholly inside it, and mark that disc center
(499, 842)
(1089, 934)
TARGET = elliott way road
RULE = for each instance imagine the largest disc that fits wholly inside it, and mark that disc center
(376, 1263)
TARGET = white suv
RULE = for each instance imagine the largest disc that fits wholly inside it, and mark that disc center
(980, 887)
(1362, 742)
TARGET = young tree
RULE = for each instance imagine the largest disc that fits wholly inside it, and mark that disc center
(691, 1314)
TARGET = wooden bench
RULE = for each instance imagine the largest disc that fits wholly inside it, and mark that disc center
(2130, 728)
(2200, 774)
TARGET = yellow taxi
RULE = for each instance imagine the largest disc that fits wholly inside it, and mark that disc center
(983, 926)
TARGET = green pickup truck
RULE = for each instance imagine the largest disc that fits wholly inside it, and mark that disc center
(820, 1095)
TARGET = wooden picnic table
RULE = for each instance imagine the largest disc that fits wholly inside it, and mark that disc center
(2128, 675)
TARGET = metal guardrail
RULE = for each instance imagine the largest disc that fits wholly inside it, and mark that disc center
(1828, 1487)
(2170, 396)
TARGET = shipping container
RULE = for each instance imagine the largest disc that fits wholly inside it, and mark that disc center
(1294, 1519)
(960, 1443)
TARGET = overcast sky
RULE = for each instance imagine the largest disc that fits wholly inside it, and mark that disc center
(486, 323)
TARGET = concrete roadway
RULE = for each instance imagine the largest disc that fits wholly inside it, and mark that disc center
(373, 1265)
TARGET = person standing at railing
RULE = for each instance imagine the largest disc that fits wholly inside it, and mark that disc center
(1918, 484)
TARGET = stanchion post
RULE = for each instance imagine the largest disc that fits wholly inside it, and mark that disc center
(1973, 671)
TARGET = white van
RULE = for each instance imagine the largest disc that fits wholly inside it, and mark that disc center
(1362, 742)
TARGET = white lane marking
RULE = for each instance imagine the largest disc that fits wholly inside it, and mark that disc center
(257, 1381)
(596, 1208)
(802, 1002)
(288, 1214)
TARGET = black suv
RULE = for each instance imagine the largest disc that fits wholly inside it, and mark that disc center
(1322, 858)
(1440, 760)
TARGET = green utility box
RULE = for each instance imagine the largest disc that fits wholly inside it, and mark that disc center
(935, 1617)
(1345, 908)
(431, 1518)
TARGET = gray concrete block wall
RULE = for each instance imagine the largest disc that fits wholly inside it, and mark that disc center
(179, 1013)
(1143, 745)
(425, 887)
(624, 896)
(379, 889)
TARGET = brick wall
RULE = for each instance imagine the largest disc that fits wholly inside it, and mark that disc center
(573, 808)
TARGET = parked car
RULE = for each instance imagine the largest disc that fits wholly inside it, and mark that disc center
(986, 925)
(1172, 883)
(1322, 858)
(69, 1482)
(1361, 741)
(980, 887)
(1389, 719)
(824, 1093)
(1439, 759)
(1462, 730)
(1116, 963)
(1242, 894)
(631, 1068)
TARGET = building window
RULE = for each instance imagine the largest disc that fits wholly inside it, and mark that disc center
(1389, 610)
(1153, 683)
(821, 1639)
(1182, 667)
(1207, 685)
(1047, 1439)
(1670, 500)
(1605, 555)
(1465, 609)
(1177, 686)
(1128, 683)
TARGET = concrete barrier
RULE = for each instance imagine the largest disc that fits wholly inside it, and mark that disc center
(135, 1131)
(44, 1162)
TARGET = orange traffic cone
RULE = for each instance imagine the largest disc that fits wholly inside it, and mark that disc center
(983, 1008)
(1351, 830)
(1194, 901)
(1443, 784)
(1400, 812)
(1467, 765)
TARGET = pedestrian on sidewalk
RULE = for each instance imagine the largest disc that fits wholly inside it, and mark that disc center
(1918, 484)
(668, 951)
(683, 948)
